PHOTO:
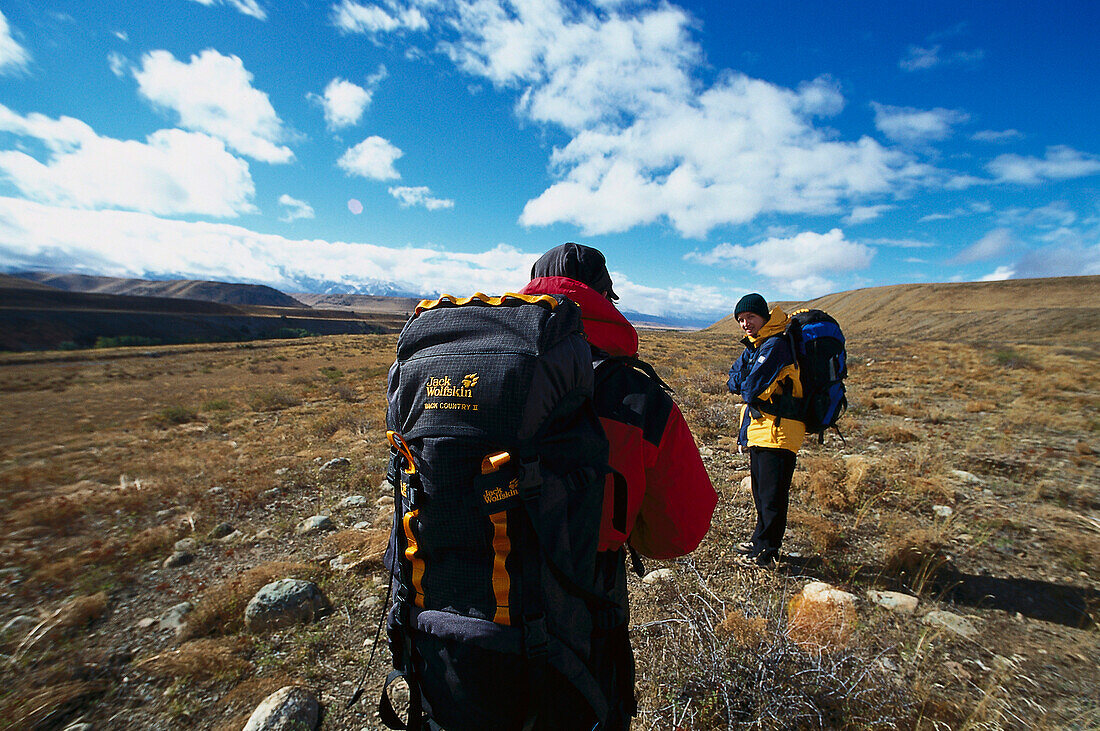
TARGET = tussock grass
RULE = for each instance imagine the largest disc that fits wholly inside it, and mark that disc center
(272, 399)
(891, 433)
(220, 658)
(152, 541)
(916, 558)
(720, 664)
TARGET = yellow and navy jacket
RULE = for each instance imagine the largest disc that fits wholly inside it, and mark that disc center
(766, 378)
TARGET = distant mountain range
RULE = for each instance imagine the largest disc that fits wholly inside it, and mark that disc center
(371, 296)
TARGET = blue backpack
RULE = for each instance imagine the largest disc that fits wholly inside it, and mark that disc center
(818, 343)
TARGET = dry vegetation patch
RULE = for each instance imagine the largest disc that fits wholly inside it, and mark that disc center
(107, 458)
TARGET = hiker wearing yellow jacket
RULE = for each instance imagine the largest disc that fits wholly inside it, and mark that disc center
(767, 380)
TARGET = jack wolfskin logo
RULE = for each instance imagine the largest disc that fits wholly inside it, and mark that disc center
(498, 493)
(441, 387)
(470, 380)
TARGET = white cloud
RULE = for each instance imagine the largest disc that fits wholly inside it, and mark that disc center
(916, 126)
(247, 7)
(295, 209)
(419, 196)
(372, 158)
(998, 242)
(998, 275)
(344, 102)
(126, 244)
(213, 93)
(13, 57)
(795, 264)
(118, 63)
(353, 17)
(647, 140)
(172, 172)
(918, 58)
(1060, 163)
(997, 136)
(862, 214)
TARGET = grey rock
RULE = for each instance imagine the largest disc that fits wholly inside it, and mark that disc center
(385, 488)
(283, 603)
(338, 463)
(174, 618)
(79, 726)
(179, 558)
(354, 501)
(894, 601)
(216, 490)
(385, 502)
(951, 622)
(659, 575)
(746, 483)
(967, 477)
(288, 708)
(943, 511)
(186, 544)
(221, 530)
(362, 525)
(233, 537)
(282, 471)
(146, 623)
(315, 524)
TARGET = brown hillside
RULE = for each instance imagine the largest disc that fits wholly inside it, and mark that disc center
(359, 302)
(9, 281)
(225, 292)
(1017, 310)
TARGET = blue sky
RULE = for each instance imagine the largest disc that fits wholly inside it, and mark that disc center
(708, 148)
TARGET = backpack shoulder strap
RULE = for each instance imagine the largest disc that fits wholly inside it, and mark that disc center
(636, 363)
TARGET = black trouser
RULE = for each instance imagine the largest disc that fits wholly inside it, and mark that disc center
(771, 470)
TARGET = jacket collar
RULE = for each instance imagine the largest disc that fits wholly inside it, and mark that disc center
(604, 326)
(776, 324)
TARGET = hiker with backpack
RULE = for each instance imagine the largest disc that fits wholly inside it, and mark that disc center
(766, 377)
(527, 446)
(791, 379)
(669, 496)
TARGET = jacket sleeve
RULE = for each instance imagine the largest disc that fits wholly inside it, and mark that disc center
(772, 357)
(737, 373)
(679, 499)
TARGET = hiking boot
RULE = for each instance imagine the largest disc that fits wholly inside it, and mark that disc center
(763, 560)
(745, 549)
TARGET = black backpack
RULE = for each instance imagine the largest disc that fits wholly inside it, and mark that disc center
(818, 344)
(499, 465)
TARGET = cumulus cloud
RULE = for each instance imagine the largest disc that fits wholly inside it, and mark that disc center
(353, 17)
(294, 209)
(796, 264)
(213, 94)
(916, 126)
(1060, 163)
(647, 141)
(998, 242)
(419, 196)
(13, 57)
(247, 7)
(172, 172)
(372, 158)
(344, 102)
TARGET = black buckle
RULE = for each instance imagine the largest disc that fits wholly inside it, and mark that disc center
(534, 636)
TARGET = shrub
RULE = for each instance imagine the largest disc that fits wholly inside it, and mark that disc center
(175, 414)
(271, 399)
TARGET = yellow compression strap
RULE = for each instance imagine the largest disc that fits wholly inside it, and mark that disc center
(502, 583)
(508, 298)
(417, 563)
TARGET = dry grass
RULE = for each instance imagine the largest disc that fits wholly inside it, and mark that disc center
(916, 558)
(198, 660)
(820, 626)
(221, 610)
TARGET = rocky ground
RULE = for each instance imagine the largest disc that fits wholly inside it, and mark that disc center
(148, 495)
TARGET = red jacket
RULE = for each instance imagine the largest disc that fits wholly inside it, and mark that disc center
(670, 499)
